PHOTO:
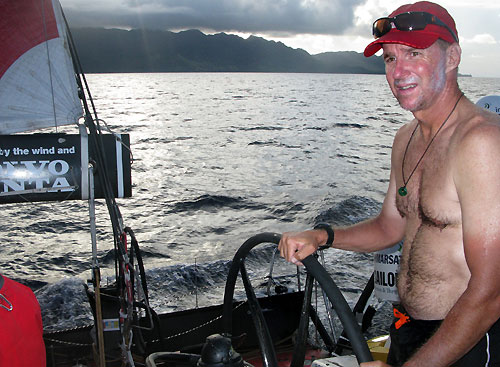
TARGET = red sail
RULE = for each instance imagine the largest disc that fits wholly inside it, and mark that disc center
(23, 25)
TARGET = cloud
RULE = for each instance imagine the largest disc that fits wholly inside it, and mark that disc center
(483, 39)
(252, 16)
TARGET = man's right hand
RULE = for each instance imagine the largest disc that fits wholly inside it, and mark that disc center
(295, 246)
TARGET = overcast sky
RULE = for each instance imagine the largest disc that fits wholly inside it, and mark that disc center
(313, 25)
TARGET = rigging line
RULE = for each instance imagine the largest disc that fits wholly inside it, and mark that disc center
(79, 71)
(195, 328)
(196, 282)
(95, 130)
(118, 137)
(270, 280)
(121, 260)
(49, 64)
(328, 304)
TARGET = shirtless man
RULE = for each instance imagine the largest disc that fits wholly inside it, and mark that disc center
(443, 200)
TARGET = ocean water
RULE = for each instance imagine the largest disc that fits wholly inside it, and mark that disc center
(218, 157)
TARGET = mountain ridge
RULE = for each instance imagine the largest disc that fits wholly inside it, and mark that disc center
(117, 50)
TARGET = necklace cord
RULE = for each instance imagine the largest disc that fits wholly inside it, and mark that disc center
(402, 190)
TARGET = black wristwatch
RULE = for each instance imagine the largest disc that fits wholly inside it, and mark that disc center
(329, 230)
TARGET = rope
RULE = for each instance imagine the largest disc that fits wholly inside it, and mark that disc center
(69, 343)
(199, 326)
(117, 137)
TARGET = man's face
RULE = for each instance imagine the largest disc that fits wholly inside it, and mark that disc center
(416, 76)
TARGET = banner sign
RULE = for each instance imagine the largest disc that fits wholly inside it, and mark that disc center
(53, 167)
(386, 273)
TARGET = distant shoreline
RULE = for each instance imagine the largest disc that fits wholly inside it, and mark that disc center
(118, 50)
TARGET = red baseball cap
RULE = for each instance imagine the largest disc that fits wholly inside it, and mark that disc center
(417, 38)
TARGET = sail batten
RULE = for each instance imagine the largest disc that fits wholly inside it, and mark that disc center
(38, 86)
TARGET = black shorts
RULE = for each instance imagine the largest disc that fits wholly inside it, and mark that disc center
(413, 334)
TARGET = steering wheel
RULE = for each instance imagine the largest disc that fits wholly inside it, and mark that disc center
(346, 316)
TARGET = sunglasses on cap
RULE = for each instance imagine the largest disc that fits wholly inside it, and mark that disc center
(410, 21)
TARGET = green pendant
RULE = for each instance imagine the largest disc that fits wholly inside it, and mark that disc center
(402, 191)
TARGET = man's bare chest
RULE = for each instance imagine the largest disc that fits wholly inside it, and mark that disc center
(431, 194)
